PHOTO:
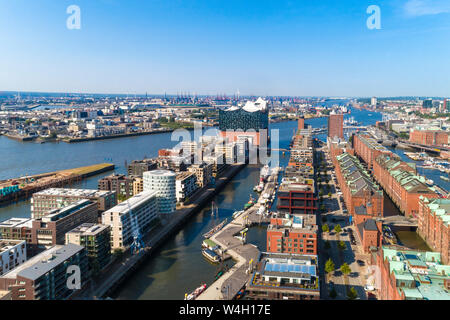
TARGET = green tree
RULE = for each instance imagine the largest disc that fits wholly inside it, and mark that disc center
(329, 267)
(325, 228)
(329, 194)
(342, 246)
(352, 294)
(337, 228)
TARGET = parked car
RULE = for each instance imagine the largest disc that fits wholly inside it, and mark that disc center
(368, 287)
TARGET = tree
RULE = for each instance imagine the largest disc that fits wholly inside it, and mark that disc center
(325, 228)
(329, 266)
(329, 194)
(341, 245)
(322, 207)
(338, 228)
(352, 294)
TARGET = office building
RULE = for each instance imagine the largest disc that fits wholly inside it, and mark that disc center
(279, 276)
(57, 198)
(96, 238)
(427, 104)
(134, 215)
(12, 254)
(44, 277)
(51, 229)
(163, 182)
(336, 125)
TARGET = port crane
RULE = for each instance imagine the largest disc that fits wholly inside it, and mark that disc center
(138, 242)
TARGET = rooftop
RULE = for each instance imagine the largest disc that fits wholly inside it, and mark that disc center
(88, 193)
(57, 214)
(6, 244)
(17, 223)
(44, 262)
(132, 203)
(89, 229)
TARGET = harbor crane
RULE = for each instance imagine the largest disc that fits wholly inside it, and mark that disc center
(138, 242)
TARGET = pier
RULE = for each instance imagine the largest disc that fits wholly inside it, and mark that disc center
(245, 255)
(26, 186)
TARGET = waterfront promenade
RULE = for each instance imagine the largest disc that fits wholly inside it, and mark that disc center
(117, 272)
(227, 286)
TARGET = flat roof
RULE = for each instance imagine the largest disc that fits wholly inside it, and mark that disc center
(133, 202)
(6, 244)
(89, 229)
(57, 214)
(73, 192)
(16, 223)
(44, 262)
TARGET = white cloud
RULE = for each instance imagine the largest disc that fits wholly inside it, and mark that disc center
(417, 8)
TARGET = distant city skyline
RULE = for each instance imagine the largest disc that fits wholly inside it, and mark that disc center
(259, 48)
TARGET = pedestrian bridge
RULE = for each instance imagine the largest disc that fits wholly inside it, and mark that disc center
(400, 221)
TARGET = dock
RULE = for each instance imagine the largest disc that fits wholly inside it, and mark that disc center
(227, 286)
(24, 187)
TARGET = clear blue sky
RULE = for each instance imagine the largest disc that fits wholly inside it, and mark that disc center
(303, 47)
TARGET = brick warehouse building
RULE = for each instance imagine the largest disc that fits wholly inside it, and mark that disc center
(401, 183)
(336, 125)
(429, 137)
(368, 149)
(357, 187)
(434, 225)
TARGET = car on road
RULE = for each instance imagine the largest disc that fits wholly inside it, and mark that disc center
(360, 263)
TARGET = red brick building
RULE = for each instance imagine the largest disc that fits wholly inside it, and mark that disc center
(293, 234)
(434, 225)
(401, 183)
(368, 149)
(336, 126)
(429, 137)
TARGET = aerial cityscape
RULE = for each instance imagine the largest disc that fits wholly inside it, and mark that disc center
(117, 186)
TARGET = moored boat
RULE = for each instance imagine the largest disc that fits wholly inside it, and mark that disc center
(211, 255)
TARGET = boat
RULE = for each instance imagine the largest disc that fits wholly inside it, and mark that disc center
(211, 255)
(215, 229)
(429, 182)
(265, 172)
(237, 214)
(444, 178)
(194, 294)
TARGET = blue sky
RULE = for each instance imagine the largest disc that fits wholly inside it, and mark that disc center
(303, 47)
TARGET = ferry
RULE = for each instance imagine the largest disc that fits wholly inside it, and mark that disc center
(211, 255)
(194, 294)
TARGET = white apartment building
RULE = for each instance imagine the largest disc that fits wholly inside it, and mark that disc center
(230, 151)
(134, 214)
(186, 185)
(163, 183)
(12, 254)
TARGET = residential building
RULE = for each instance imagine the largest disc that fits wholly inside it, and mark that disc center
(96, 238)
(186, 185)
(297, 197)
(279, 276)
(45, 276)
(138, 167)
(12, 254)
(134, 215)
(121, 184)
(163, 182)
(138, 185)
(203, 172)
(17, 229)
(57, 198)
(293, 234)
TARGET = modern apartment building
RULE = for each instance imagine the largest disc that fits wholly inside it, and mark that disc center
(163, 182)
(96, 238)
(17, 229)
(45, 276)
(135, 214)
(280, 276)
(138, 167)
(186, 185)
(203, 172)
(57, 198)
(50, 230)
(12, 254)
(293, 234)
(121, 184)
(138, 185)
